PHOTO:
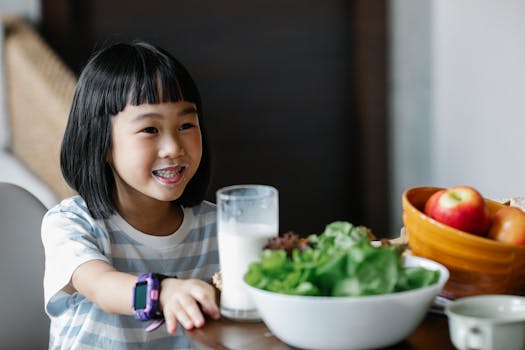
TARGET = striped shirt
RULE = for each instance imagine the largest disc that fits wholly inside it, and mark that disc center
(71, 237)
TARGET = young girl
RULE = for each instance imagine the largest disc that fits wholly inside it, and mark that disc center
(134, 149)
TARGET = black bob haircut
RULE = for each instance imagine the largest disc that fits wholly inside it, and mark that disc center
(118, 75)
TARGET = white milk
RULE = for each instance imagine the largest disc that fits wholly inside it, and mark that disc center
(239, 245)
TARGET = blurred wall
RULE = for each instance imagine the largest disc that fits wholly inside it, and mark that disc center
(410, 99)
(458, 86)
(294, 91)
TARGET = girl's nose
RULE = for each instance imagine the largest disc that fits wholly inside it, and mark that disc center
(170, 147)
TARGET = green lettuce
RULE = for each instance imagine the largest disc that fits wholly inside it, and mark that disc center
(340, 262)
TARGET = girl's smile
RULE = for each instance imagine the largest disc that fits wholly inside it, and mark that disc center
(170, 174)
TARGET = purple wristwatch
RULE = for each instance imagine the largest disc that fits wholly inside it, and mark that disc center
(146, 295)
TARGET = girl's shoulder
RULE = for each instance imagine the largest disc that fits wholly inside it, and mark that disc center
(74, 204)
(72, 208)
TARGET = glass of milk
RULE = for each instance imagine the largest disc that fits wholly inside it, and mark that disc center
(247, 216)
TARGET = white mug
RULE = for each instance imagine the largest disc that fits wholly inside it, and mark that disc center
(487, 322)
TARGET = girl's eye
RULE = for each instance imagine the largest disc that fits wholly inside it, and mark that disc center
(150, 130)
(186, 126)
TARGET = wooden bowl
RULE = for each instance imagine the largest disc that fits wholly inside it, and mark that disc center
(477, 265)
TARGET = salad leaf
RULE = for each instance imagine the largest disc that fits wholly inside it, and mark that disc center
(339, 262)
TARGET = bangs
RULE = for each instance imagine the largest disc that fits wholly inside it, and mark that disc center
(143, 73)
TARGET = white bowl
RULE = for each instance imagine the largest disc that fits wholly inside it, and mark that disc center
(348, 322)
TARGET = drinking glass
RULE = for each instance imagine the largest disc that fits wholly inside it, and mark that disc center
(247, 216)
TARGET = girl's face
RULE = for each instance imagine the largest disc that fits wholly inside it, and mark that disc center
(156, 149)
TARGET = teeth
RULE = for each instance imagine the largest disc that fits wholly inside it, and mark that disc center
(168, 173)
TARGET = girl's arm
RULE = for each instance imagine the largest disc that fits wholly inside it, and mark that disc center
(108, 288)
(111, 290)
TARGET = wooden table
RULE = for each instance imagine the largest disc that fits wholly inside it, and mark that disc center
(431, 334)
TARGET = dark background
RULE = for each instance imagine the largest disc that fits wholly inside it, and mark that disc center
(294, 92)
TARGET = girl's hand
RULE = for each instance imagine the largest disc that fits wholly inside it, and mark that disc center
(182, 300)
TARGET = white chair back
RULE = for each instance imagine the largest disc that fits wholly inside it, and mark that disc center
(23, 322)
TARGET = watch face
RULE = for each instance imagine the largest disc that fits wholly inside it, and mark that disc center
(141, 291)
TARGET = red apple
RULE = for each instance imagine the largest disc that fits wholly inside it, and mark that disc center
(461, 207)
(508, 225)
(431, 202)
